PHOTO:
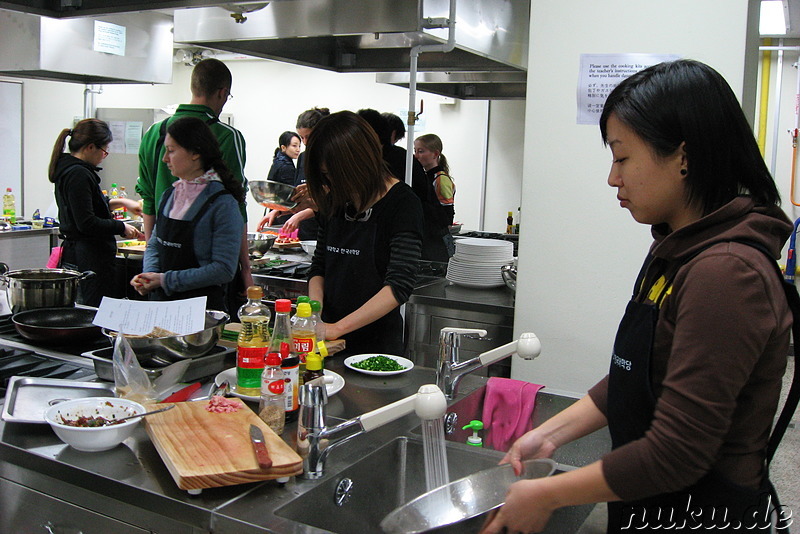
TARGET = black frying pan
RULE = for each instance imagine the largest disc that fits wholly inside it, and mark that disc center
(56, 325)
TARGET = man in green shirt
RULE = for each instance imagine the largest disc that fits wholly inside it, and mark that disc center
(211, 89)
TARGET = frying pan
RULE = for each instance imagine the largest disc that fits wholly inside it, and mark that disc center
(56, 325)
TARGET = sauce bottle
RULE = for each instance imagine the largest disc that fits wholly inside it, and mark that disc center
(281, 343)
(272, 407)
(313, 367)
(304, 339)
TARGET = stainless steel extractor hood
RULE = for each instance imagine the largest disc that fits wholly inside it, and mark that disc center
(503, 85)
(491, 36)
(130, 48)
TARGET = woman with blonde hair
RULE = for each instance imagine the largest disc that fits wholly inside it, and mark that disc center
(437, 193)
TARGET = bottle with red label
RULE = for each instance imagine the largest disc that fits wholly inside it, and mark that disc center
(304, 338)
(272, 407)
(282, 344)
(253, 342)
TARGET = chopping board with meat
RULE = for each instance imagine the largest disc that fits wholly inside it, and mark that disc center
(208, 449)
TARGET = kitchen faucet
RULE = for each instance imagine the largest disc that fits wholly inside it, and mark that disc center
(315, 439)
(450, 370)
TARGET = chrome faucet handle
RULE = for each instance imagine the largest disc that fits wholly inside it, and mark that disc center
(452, 329)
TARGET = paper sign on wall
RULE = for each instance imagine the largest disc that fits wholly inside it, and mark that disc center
(109, 38)
(601, 73)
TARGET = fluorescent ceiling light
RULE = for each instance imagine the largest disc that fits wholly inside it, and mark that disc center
(773, 19)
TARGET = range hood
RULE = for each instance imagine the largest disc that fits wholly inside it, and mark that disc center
(491, 40)
(130, 48)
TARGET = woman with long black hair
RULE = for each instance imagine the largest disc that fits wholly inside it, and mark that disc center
(194, 248)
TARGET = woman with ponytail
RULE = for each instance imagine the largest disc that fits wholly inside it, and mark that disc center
(194, 248)
(84, 213)
(437, 196)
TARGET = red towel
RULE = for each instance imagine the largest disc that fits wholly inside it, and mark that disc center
(507, 411)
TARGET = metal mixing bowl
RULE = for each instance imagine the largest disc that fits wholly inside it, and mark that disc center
(175, 348)
(273, 195)
(259, 242)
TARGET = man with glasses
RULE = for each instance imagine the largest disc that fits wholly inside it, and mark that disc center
(211, 89)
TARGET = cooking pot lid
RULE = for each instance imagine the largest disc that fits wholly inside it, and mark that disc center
(43, 274)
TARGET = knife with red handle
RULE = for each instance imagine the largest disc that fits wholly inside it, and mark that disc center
(183, 394)
(260, 447)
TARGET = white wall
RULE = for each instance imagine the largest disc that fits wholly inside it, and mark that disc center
(268, 96)
(579, 252)
(780, 138)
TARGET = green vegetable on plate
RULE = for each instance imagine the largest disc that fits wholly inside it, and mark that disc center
(378, 363)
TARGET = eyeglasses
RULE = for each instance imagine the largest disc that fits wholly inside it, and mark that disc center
(105, 152)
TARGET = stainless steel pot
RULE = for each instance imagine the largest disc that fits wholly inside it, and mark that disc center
(509, 273)
(28, 289)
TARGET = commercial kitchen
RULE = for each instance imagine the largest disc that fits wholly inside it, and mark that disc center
(509, 130)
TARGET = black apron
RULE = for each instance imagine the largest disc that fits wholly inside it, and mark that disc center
(175, 242)
(714, 503)
(351, 279)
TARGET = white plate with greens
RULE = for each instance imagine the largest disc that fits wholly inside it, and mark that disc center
(379, 364)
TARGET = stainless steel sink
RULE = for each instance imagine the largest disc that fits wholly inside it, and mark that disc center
(576, 454)
(357, 498)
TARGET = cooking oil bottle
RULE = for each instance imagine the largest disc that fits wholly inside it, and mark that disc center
(9, 207)
(253, 343)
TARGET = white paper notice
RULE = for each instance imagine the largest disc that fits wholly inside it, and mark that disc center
(601, 73)
(109, 38)
(133, 136)
(117, 146)
(137, 317)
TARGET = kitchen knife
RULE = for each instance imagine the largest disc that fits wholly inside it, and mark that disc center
(259, 445)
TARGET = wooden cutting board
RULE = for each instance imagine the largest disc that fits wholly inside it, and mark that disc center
(135, 249)
(207, 450)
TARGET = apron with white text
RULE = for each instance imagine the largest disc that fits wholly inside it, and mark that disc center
(714, 503)
(175, 242)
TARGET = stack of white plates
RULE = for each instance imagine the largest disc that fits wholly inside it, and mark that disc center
(477, 262)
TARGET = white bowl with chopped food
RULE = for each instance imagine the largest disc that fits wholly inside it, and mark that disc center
(378, 364)
(88, 424)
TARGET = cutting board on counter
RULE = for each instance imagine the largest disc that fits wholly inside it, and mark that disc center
(202, 449)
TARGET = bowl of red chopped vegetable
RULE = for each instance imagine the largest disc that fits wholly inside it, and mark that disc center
(89, 424)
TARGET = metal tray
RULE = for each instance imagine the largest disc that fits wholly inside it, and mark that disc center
(219, 359)
(28, 397)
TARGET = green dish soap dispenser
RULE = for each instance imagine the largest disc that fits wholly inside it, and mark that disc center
(474, 440)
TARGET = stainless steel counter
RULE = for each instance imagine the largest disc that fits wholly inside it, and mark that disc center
(443, 303)
(27, 249)
(131, 484)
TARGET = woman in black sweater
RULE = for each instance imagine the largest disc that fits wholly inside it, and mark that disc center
(84, 215)
(370, 236)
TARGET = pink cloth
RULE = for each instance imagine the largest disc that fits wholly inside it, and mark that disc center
(507, 411)
(187, 191)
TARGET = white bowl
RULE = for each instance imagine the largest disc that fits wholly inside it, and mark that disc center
(309, 247)
(94, 439)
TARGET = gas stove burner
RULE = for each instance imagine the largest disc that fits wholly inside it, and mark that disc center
(21, 362)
